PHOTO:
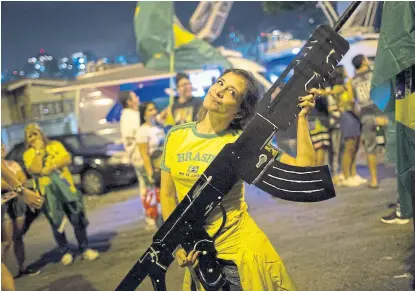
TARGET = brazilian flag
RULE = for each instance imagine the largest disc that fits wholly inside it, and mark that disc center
(158, 35)
(393, 90)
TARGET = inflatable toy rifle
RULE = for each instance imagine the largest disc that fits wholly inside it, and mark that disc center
(251, 159)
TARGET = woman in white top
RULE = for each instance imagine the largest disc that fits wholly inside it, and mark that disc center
(150, 139)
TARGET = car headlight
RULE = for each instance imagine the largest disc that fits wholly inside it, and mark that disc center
(78, 161)
(117, 160)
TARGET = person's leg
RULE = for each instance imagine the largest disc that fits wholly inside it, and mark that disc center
(348, 156)
(145, 188)
(353, 169)
(19, 251)
(369, 139)
(7, 281)
(320, 156)
(6, 237)
(79, 222)
(61, 241)
(335, 154)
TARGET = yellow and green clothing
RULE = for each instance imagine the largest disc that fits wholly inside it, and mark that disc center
(187, 154)
(58, 187)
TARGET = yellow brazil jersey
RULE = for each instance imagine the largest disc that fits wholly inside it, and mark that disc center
(54, 151)
(343, 98)
(187, 154)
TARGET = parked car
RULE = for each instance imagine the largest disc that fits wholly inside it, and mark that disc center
(96, 162)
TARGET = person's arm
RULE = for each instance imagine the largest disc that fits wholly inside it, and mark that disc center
(333, 91)
(167, 195)
(5, 185)
(62, 158)
(33, 160)
(9, 177)
(144, 152)
(36, 164)
(31, 198)
(20, 174)
(306, 155)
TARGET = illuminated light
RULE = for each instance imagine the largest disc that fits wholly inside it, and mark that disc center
(82, 66)
(95, 94)
(140, 86)
(81, 60)
(50, 58)
(273, 78)
(295, 50)
(41, 59)
(70, 67)
(34, 59)
(64, 65)
(232, 35)
(102, 121)
(14, 72)
(42, 68)
(65, 60)
(276, 32)
(82, 104)
(29, 60)
(262, 34)
(45, 110)
(42, 51)
(104, 102)
(21, 73)
(311, 21)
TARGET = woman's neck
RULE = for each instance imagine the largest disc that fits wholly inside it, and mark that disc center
(149, 123)
(213, 124)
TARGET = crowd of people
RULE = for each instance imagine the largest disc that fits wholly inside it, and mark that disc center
(341, 116)
(54, 195)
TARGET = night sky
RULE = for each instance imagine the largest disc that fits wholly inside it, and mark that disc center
(106, 28)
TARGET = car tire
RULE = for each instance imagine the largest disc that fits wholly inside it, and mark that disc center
(93, 182)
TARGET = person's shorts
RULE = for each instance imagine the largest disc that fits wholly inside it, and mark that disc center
(350, 125)
(13, 209)
(369, 133)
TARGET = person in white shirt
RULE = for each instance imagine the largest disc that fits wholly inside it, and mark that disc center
(129, 127)
(150, 140)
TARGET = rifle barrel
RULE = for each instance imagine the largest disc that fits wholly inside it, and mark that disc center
(346, 15)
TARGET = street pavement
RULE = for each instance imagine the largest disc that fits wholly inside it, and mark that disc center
(338, 244)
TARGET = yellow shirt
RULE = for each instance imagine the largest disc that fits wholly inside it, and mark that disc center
(345, 103)
(54, 152)
(187, 153)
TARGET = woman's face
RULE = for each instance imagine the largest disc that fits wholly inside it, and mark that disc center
(151, 112)
(225, 96)
(3, 151)
(33, 136)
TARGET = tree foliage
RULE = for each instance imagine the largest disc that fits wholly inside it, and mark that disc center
(272, 7)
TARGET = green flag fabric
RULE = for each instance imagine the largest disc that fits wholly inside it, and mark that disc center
(393, 91)
(157, 33)
(395, 53)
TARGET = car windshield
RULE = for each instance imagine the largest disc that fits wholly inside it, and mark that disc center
(77, 142)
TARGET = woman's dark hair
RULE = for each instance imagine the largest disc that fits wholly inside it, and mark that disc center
(337, 76)
(124, 97)
(249, 101)
(142, 108)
